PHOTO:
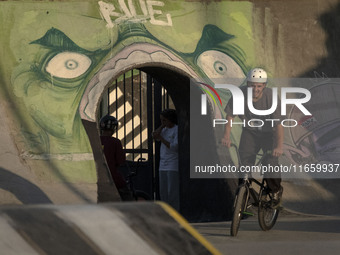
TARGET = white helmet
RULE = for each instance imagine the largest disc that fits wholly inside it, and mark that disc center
(257, 75)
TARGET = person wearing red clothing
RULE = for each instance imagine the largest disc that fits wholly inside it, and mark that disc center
(114, 154)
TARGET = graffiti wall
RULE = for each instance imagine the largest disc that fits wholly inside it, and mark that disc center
(57, 58)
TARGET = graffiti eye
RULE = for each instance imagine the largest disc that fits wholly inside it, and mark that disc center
(220, 67)
(216, 64)
(68, 65)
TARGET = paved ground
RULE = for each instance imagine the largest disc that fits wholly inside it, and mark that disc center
(310, 224)
(292, 234)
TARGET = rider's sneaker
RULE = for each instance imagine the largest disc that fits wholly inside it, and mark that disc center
(276, 199)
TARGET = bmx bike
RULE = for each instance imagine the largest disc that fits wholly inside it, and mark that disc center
(267, 212)
(138, 195)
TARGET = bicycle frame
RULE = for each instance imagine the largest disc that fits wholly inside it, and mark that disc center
(248, 181)
(137, 194)
(261, 200)
(251, 192)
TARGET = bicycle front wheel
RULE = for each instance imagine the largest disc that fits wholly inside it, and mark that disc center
(267, 214)
(141, 196)
(239, 205)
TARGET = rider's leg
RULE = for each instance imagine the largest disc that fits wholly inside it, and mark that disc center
(248, 148)
(273, 178)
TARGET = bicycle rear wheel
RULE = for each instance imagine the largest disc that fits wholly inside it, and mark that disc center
(267, 215)
(239, 205)
(141, 196)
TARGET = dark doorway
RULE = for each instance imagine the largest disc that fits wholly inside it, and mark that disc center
(148, 90)
(200, 199)
(136, 100)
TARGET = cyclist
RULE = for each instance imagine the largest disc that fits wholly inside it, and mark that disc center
(114, 154)
(259, 134)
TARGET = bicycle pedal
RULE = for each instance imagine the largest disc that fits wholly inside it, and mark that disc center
(248, 213)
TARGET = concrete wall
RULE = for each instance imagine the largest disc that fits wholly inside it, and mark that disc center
(57, 58)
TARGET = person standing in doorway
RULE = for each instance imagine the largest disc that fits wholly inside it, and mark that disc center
(114, 154)
(167, 134)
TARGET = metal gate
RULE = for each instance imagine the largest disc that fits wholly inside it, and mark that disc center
(136, 100)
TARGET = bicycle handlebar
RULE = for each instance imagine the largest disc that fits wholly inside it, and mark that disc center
(134, 173)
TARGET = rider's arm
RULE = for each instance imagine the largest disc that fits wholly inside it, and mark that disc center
(279, 134)
(226, 138)
(120, 153)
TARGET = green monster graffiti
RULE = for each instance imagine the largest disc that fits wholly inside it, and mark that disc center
(64, 66)
(51, 89)
(61, 69)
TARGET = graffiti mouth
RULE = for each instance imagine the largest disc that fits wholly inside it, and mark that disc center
(133, 56)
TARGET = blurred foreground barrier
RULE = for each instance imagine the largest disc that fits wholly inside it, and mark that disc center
(110, 228)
